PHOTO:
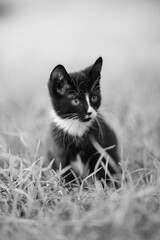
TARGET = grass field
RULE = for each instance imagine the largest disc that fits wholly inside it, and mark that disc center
(37, 36)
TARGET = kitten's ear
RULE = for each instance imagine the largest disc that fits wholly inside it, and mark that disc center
(59, 80)
(95, 70)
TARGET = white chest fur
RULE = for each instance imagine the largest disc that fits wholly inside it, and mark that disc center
(73, 127)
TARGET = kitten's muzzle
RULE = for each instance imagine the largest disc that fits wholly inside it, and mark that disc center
(87, 117)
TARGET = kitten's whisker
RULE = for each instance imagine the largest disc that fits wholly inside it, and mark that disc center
(99, 126)
(73, 92)
(76, 85)
(111, 113)
(94, 90)
(80, 85)
(109, 107)
(95, 83)
(69, 115)
(109, 130)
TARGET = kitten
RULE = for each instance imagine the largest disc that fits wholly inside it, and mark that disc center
(79, 137)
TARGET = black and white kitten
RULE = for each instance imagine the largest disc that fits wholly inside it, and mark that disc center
(79, 137)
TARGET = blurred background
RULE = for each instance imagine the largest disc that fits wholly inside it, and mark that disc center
(37, 35)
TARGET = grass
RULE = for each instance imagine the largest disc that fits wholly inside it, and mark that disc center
(36, 207)
(32, 208)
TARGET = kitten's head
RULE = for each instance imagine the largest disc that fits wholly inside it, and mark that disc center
(76, 96)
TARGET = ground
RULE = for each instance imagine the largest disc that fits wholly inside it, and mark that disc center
(38, 36)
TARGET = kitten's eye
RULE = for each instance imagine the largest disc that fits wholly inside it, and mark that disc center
(94, 99)
(75, 102)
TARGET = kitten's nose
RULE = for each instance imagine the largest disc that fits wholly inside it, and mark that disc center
(89, 113)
